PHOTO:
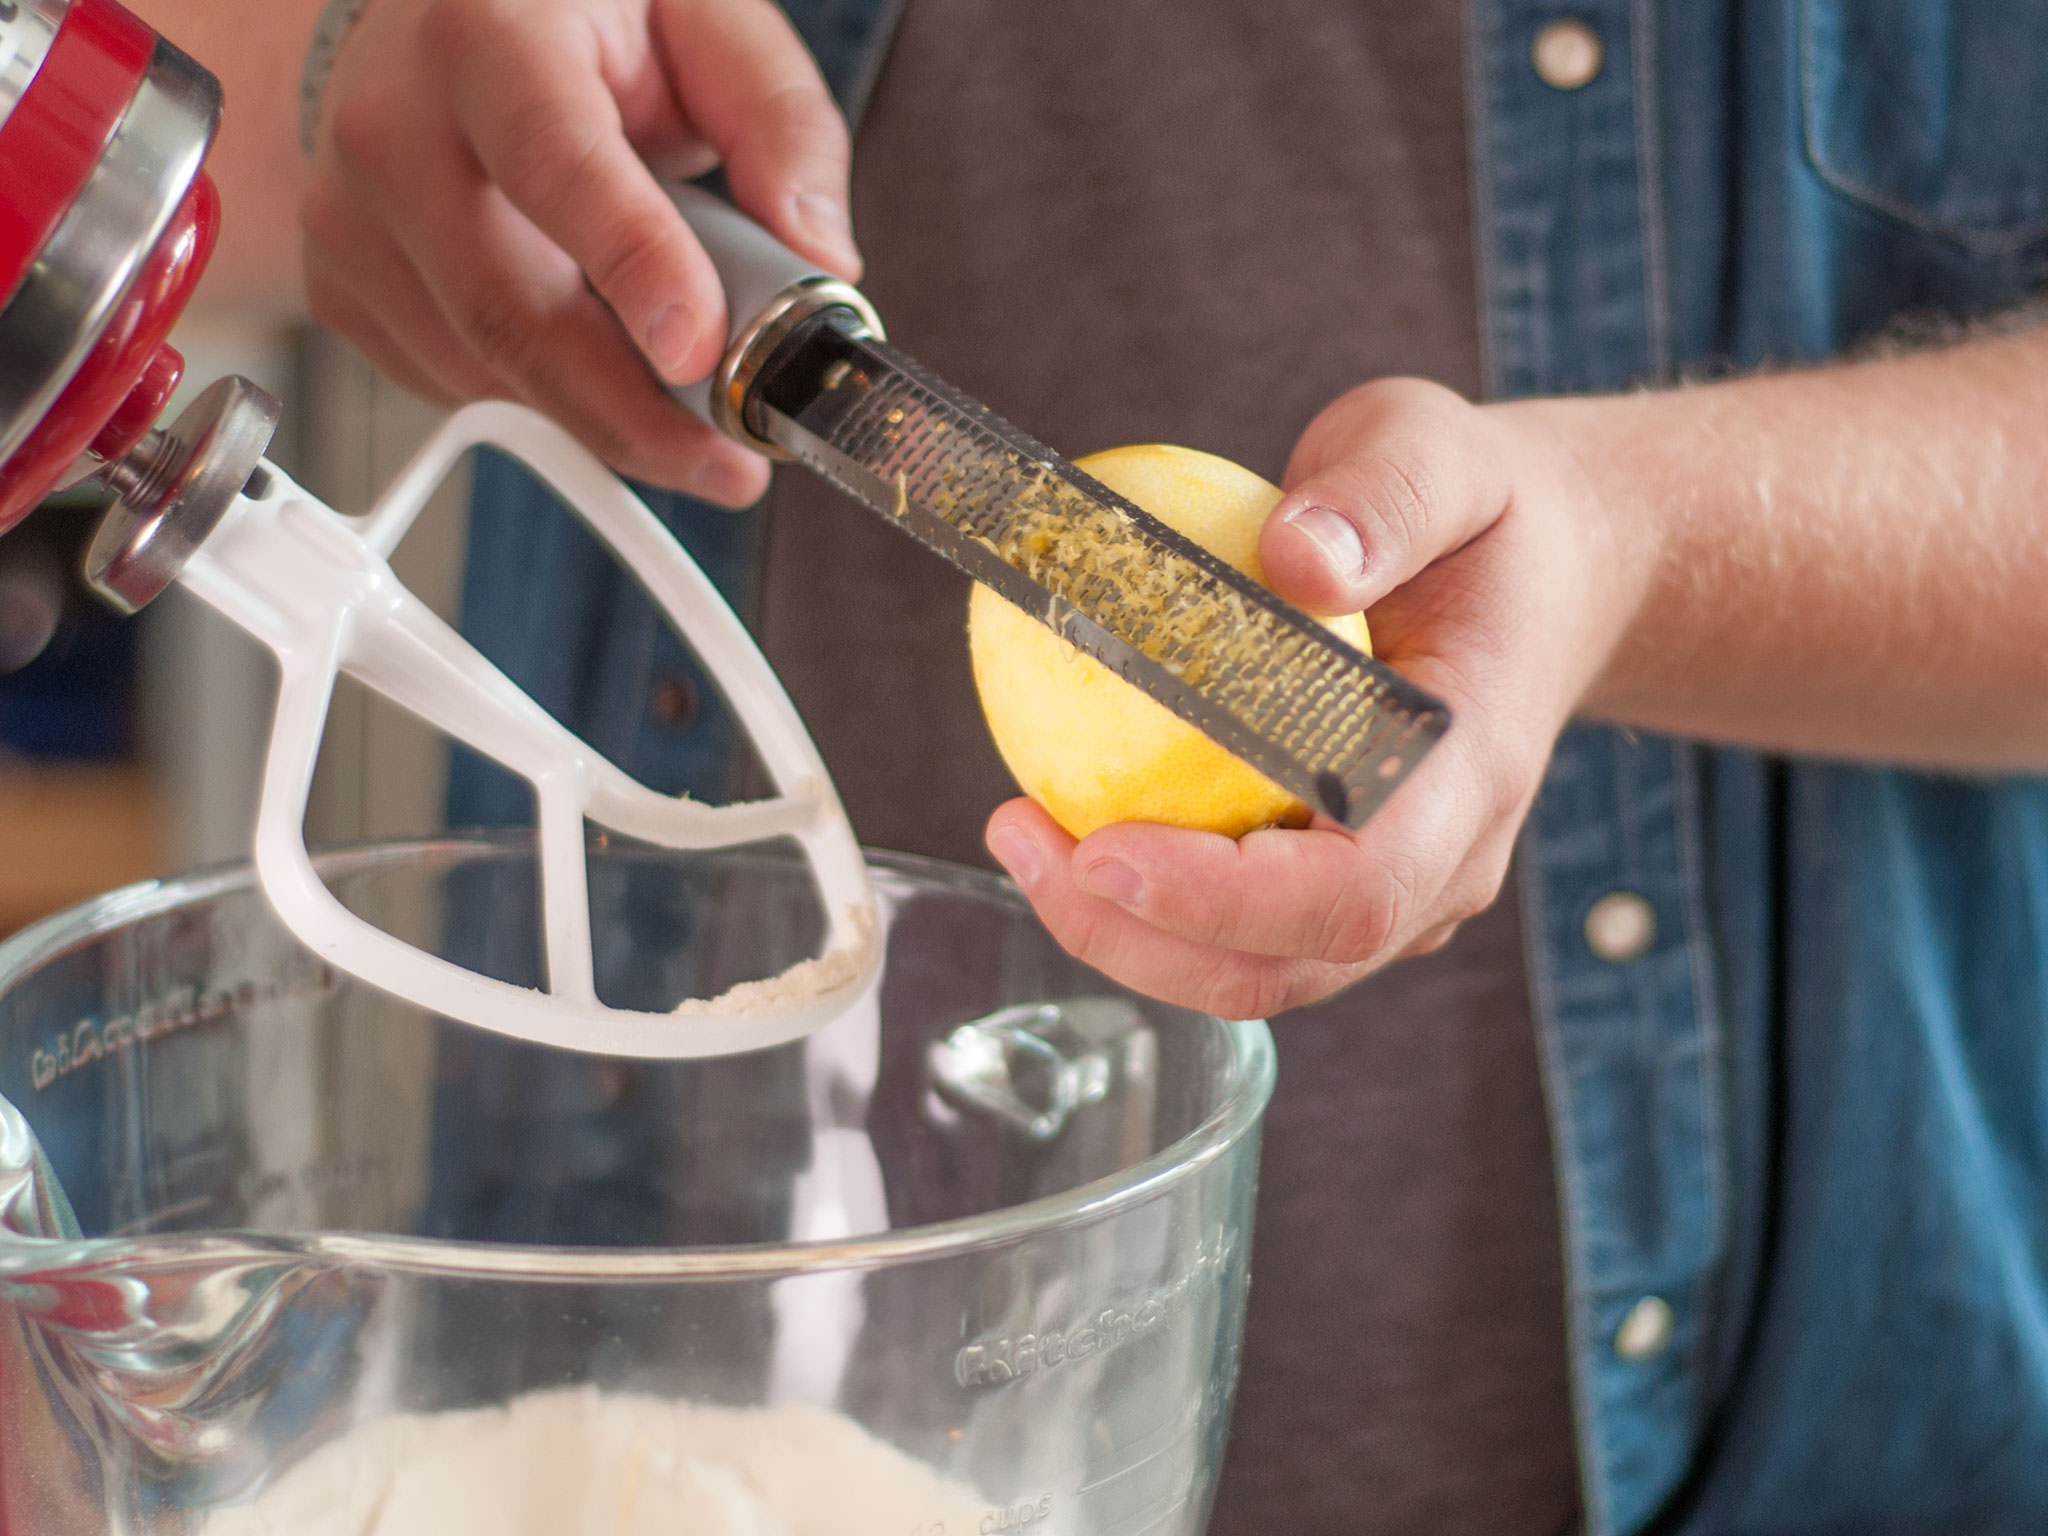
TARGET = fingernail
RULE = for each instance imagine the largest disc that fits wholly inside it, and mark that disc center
(1335, 539)
(670, 335)
(1018, 854)
(824, 219)
(1113, 880)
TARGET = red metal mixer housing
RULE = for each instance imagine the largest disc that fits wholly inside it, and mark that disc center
(106, 221)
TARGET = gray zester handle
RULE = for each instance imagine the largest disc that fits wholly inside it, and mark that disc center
(769, 289)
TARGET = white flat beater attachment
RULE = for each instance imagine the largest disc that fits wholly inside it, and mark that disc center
(316, 588)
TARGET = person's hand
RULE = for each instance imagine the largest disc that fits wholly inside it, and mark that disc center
(1471, 537)
(483, 222)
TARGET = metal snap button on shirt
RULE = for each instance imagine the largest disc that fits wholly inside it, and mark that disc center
(1646, 1330)
(1567, 54)
(1620, 926)
(674, 703)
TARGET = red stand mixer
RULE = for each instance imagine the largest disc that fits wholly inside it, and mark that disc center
(105, 227)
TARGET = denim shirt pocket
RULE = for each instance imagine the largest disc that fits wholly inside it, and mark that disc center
(1933, 113)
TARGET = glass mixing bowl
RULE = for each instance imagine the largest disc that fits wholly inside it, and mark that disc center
(278, 1254)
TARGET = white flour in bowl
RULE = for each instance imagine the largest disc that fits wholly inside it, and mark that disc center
(577, 1462)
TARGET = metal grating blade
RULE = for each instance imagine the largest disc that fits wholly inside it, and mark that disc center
(1262, 678)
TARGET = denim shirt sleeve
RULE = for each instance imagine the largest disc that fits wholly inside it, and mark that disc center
(1802, 1131)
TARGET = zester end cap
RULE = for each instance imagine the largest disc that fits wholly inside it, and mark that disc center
(757, 341)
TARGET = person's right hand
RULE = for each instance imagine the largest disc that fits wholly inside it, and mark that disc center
(483, 220)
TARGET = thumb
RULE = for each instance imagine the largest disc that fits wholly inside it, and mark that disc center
(1391, 476)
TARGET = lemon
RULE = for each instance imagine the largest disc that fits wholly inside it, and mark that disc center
(1084, 743)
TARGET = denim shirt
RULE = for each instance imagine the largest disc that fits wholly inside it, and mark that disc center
(1801, 1128)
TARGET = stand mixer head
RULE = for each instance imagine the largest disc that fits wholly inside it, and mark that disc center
(106, 221)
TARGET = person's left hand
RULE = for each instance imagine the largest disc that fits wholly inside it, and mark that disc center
(1491, 579)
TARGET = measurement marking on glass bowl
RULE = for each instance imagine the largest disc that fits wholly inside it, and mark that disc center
(999, 1360)
(1161, 1518)
(1015, 1517)
(184, 1007)
(1000, 1521)
(158, 1220)
(1186, 1429)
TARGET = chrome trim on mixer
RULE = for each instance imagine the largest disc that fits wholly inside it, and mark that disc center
(27, 27)
(174, 488)
(91, 257)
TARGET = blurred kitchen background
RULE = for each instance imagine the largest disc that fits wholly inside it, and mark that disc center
(131, 748)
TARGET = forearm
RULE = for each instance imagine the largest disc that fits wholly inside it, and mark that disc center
(1850, 561)
(256, 50)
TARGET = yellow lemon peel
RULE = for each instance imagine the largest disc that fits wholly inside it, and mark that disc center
(1080, 740)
